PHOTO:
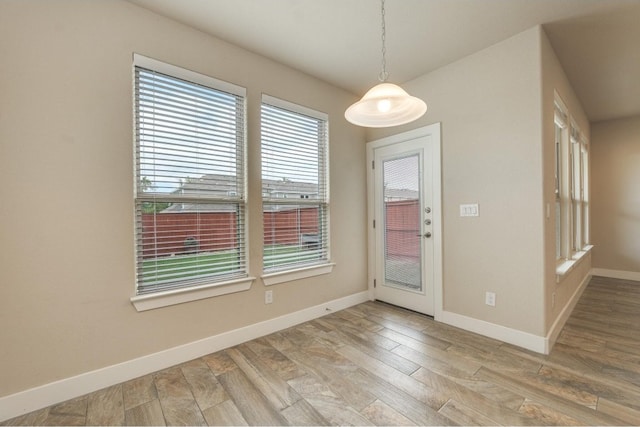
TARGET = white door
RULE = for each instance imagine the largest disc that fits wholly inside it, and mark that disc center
(406, 219)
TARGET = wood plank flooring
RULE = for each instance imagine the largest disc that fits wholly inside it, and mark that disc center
(375, 364)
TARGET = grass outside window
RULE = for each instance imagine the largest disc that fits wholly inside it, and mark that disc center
(220, 263)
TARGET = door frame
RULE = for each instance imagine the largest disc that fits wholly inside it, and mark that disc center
(432, 131)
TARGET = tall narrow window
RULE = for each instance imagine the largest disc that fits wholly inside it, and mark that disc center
(560, 135)
(189, 178)
(558, 208)
(571, 189)
(585, 192)
(295, 196)
(576, 189)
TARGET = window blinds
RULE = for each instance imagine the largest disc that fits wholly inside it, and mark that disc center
(190, 211)
(294, 144)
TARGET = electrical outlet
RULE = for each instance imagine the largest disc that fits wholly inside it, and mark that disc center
(490, 299)
(268, 297)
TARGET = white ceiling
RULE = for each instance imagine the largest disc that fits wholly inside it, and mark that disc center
(597, 41)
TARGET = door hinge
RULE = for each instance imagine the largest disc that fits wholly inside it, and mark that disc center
(373, 164)
(374, 283)
(374, 223)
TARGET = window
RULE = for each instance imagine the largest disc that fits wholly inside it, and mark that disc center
(571, 189)
(576, 189)
(295, 200)
(585, 192)
(561, 132)
(580, 204)
(189, 179)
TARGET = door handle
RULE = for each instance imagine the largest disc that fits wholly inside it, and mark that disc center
(427, 234)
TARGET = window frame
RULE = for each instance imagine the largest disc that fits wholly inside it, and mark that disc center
(183, 290)
(585, 192)
(571, 188)
(300, 270)
(576, 189)
(562, 183)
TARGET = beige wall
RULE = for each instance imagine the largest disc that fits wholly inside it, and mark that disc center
(496, 110)
(490, 109)
(555, 80)
(615, 195)
(66, 258)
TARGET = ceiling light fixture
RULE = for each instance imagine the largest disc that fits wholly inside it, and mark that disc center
(385, 104)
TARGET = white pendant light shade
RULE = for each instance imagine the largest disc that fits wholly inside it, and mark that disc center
(385, 105)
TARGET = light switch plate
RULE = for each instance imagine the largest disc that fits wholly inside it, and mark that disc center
(490, 299)
(469, 210)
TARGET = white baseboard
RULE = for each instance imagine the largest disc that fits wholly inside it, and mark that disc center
(616, 274)
(526, 340)
(557, 326)
(512, 336)
(59, 391)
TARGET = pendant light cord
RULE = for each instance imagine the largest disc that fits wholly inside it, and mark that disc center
(383, 74)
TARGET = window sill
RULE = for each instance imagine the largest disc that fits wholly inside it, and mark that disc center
(299, 273)
(179, 296)
(564, 267)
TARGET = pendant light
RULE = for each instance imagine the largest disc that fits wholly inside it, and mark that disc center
(386, 104)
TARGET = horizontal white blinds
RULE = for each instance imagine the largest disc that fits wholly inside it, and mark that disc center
(294, 188)
(190, 211)
(180, 249)
(293, 155)
(294, 235)
(187, 134)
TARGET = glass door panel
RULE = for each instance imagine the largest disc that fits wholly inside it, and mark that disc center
(402, 235)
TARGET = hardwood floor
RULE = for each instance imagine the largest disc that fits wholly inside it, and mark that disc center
(379, 364)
